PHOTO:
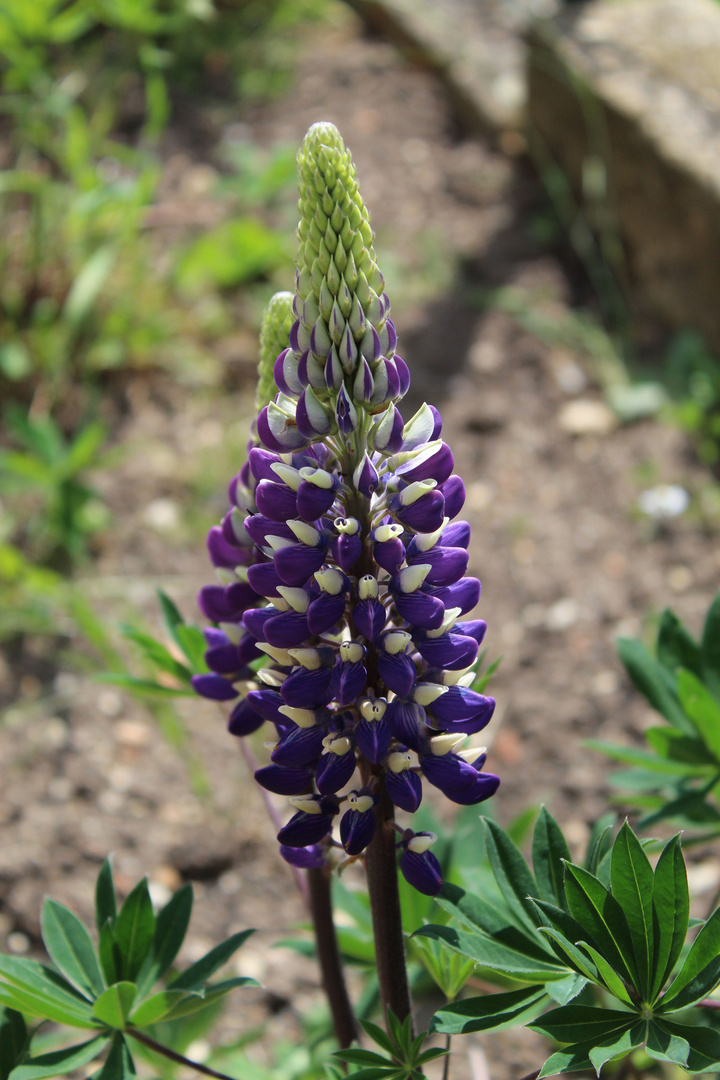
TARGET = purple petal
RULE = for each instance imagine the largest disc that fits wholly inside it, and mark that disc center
(223, 659)
(254, 621)
(223, 552)
(373, 739)
(453, 491)
(405, 718)
(463, 594)
(303, 829)
(264, 579)
(259, 527)
(389, 554)
(276, 501)
(426, 514)
(369, 617)
(214, 687)
(297, 562)
(299, 746)
(306, 858)
(333, 772)
(448, 772)
(437, 466)
(357, 830)
(244, 719)
(266, 704)
(397, 672)
(450, 651)
(347, 550)
(474, 628)
(261, 462)
(287, 630)
(313, 501)
(308, 689)
(349, 681)
(422, 871)
(295, 780)
(324, 612)
(420, 609)
(457, 534)
(404, 789)
(486, 784)
(461, 703)
(448, 564)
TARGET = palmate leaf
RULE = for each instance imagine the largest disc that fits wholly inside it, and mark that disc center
(119, 1065)
(511, 873)
(478, 914)
(195, 1000)
(105, 902)
(609, 976)
(646, 761)
(691, 806)
(676, 647)
(582, 1023)
(549, 849)
(60, 1062)
(599, 842)
(489, 953)
(36, 989)
(671, 909)
(631, 876)
(114, 1006)
(675, 746)
(617, 1044)
(565, 990)
(489, 1012)
(704, 1043)
(170, 928)
(158, 1006)
(194, 977)
(703, 710)
(663, 1045)
(69, 946)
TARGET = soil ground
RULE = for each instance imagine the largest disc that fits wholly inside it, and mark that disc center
(566, 560)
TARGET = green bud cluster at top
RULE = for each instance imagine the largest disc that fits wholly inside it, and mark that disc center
(274, 333)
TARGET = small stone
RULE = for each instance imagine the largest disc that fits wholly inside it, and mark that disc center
(616, 564)
(533, 616)
(485, 356)
(524, 551)
(132, 733)
(167, 876)
(162, 515)
(479, 496)
(664, 502)
(680, 578)
(512, 634)
(586, 417)
(569, 376)
(60, 788)
(605, 683)
(159, 894)
(18, 943)
(704, 876)
(109, 702)
(56, 734)
(562, 615)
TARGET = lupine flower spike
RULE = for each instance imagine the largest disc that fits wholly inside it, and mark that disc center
(342, 610)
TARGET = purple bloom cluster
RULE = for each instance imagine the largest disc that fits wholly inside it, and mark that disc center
(343, 610)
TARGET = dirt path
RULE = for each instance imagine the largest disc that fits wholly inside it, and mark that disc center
(565, 559)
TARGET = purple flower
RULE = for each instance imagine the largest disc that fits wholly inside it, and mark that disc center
(418, 865)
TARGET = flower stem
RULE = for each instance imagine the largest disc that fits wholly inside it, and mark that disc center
(333, 977)
(381, 868)
(171, 1055)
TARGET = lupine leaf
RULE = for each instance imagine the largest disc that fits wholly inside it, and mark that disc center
(143, 686)
(41, 1004)
(479, 913)
(118, 1065)
(608, 974)
(432, 1054)
(571, 954)
(105, 902)
(488, 1012)
(692, 806)
(675, 746)
(564, 991)
(134, 929)
(631, 755)
(109, 955)
(581, 1023)
(602, 917)
(704, 1042)
(173, 618)
(114, 1006)
(569, 1059)
(198, 973)
(361, 1057)
(196, 1000)
(600, 842)
(676, 647)
(700, 963)
(60, 1062)
(379, 1036)
(549, 848)
(566, 934)
(193, 644)
(69, 946)
(671, 908)
(171, 926)
(703, 710)
(710, 648)
(491, 954)
(663, 1045)
(632, 884)
(154, 1008)
(13, 1040)
(158, 653)
(511, 872)
(653, 680)
(616, 1044)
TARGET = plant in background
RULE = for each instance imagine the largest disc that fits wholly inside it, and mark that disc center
(348, 580)
(678, 777)
(110, 989)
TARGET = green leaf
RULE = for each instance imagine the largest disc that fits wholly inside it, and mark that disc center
(493, 955)
(109, 955)
(671, 909)
(617, 1044)
(570, 954)
(511, 873)
(704, 1055)
(114, 1005)
(691, 806)
(653, 680)
(379, 1036)
(566, 990)
(159, 1005)
(675, 746)
(599, 842)
(564, 934)
(14, 1040)
(69, 946)
(676, 647)
(710, 648)
(118, 1065)
(143, 687)
(663, 1045)
(60, 1062)
(700, 971)
(86, 287)
(569, 1059)
(170, 929)
(134, 930)
(200, 999)
(581, 1023)
(488, 1012)
(173, 618)
(602, 917)
(158, 654)
(198, 973)
(43, 992)
(608, 974)
(632, 885)
(193, 644)
(549, 848)
(105, 903)
(361, 1057)
(236, 252)
(478, 913)
(630, 755)
(703, 710)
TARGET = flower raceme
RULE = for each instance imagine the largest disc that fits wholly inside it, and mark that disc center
(342, 613)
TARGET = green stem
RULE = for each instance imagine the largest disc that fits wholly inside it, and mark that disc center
(171, 1055)
(329, 957)
(446, 1064)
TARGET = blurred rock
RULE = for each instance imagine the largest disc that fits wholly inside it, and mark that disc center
(585, 417)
